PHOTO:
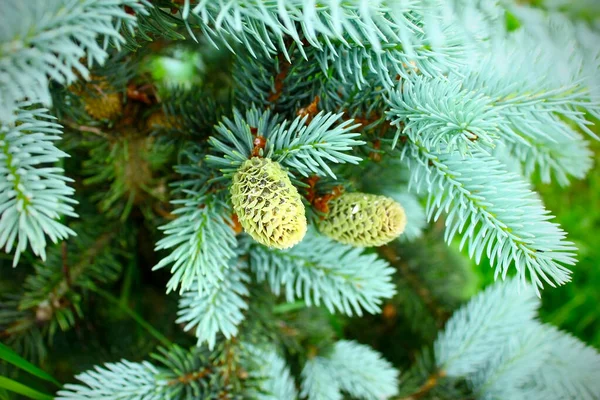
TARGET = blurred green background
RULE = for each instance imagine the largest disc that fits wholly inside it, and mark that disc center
(576, 306)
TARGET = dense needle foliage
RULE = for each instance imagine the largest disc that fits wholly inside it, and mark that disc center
(292, 199)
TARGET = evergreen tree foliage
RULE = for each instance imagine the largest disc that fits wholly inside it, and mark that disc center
(249, 199)
(320, 270)
(353, 368)
(218, 309)
(33, 198)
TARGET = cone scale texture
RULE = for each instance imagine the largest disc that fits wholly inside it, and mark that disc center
(363, 220)
(267, 205)
(104, 105)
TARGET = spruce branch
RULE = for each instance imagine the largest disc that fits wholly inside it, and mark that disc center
(443, 116)
(34, 195)
(320, 270)
(360, 22)
(363, 372)
(542, 106)
(346, 78)
(270, 370)
(308, 146)
(538, 362)
(50, 291)
(305, 148)
(154, 22)
(218, 308)
(495, 211)
(478, 331)
(190, 113)
(52, 300)
(350, 367)
(47, 39)
(318, 381)
(235, 138)
(181, 374)
(504, 375)
(558, 158)
(569, 371)
(364, 42)
(122, 380)
(200, 240)
(340, 67)
(367, 66)
(557, 31)
(270, 81)
(528, 106)
(192, 374)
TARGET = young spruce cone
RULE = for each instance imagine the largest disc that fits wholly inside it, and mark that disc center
(104, 104)
(363, 220)
(159, 119)
(268, 206)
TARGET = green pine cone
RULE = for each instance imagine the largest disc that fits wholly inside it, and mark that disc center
(106, 107)
(363, 220)
(106, 104)
(268, 206)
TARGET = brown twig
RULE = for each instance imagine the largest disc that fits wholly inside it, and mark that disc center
(235, 224)
(429, 384)
(61, 289)
(143, 93)
(192, 376)
(283, 72)
(321, 202)
(286, 329)
(310, 111)
(163, 213)
(229, 361)
(21, 325)
(259, 143)
(375, 155)
(311, 192)
(84, 128)
(56, 298)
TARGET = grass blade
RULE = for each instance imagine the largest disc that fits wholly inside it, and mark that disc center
(19, 388)
(13, 358)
